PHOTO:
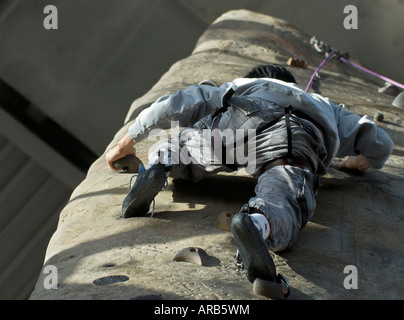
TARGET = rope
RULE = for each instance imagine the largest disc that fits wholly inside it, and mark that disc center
(372, 73)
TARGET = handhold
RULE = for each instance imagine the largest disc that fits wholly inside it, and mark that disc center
(192, 254)
(129, 164)
(297, 63)
(223, 220)
(378, 117)
(399, 100)
(269, 289)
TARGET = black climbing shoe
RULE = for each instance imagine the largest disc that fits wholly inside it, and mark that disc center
(147, 186)
(255, 257)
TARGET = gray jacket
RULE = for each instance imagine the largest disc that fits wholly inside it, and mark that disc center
(344, 133)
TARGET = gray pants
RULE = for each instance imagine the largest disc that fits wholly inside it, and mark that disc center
(286, 194)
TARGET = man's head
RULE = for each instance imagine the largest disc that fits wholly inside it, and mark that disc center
(273, 71)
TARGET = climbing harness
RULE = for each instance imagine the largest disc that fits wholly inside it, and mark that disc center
(329, 52)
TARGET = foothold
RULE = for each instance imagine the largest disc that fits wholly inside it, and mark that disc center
(378, 116)
(390, 89)
(399, 100)
(129, 164)
(269, 289)
(192, 254)
(297, 63)
(110, 280)
(223, 220)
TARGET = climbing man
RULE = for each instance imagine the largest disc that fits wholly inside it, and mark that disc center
(291, 138)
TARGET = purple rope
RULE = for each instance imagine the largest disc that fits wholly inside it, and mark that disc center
(332, 53)
(372, 73)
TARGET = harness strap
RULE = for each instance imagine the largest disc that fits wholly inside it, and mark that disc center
(288, 113)
(225, 102)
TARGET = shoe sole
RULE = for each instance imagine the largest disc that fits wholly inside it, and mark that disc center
(137, 202)
(254, 254)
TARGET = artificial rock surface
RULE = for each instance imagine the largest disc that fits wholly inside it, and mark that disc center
(359, 219)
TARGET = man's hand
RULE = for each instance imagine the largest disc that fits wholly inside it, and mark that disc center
(357, 163)
(123, 149)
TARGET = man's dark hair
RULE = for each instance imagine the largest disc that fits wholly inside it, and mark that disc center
(273, 71)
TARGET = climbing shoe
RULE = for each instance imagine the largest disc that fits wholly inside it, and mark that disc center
(253, 254)
(141, 195)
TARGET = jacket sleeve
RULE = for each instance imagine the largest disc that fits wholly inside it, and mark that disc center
(361, 136)
(186, 106)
